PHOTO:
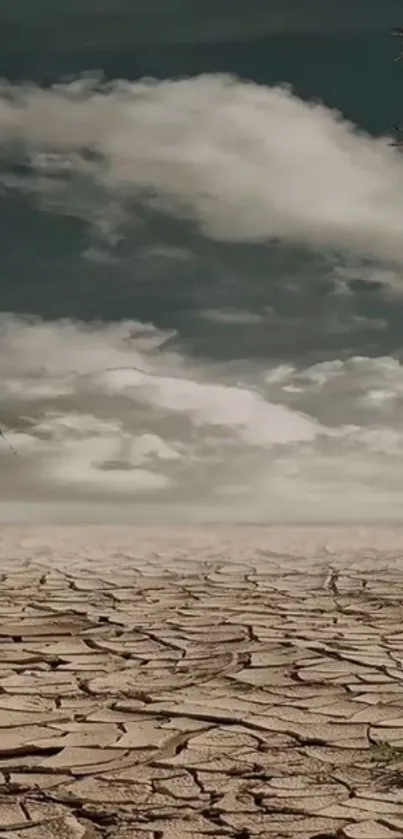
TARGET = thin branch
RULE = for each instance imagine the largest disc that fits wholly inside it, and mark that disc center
(398, 33)
(7, 442)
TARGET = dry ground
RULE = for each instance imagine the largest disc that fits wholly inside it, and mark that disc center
(201, 683)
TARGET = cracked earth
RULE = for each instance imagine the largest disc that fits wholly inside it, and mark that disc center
(194, 684)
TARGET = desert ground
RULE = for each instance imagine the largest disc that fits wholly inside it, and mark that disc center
(196, 683)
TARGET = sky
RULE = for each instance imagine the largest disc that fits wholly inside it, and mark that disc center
(201, 276)
(156, 21)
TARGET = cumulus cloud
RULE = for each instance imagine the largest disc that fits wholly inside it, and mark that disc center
(111, 415)
(247, 162)
(116, 414)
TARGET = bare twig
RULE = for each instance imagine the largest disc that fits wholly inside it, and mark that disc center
(7, 442)
(398, 33)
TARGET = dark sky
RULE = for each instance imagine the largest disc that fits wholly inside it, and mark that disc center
(170, 21)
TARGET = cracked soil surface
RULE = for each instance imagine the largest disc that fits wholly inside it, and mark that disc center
(196, 684)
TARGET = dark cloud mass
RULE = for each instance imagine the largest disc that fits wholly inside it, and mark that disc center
(93, 23)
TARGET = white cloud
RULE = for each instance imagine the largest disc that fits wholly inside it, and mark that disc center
(247, 162)
(231, 317)
(320, 443)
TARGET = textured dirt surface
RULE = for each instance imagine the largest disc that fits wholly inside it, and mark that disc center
(211, 683)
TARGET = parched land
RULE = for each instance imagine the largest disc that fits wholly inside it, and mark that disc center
(196, 684)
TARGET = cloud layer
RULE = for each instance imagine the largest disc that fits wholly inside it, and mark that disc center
(112, 419)
(247, 162)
